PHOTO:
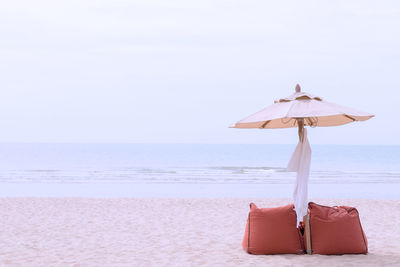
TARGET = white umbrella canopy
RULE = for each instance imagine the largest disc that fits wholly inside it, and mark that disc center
(299, 110)
(315, 111)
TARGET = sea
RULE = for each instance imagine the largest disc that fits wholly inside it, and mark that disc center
(194, 170)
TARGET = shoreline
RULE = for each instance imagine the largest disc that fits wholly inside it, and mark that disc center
(197, 190)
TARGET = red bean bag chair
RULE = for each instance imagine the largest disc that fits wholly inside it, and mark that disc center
(336, 230)
(272, 231)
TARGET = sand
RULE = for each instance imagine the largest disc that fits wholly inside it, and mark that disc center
(167, 232)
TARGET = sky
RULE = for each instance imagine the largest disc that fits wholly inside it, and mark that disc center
(184, 71)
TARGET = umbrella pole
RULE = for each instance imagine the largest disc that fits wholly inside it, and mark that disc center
(307, 232)
(300, 123)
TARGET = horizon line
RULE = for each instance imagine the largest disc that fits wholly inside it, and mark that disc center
(186, 143)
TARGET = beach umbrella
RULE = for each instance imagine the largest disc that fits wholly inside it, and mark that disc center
(299, 110)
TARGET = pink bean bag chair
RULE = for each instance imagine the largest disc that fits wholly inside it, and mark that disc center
(272, 231)
(336, 230)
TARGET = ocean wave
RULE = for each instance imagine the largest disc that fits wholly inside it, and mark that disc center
(209, 174)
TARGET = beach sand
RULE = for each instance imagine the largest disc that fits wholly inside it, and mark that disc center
(167, 232)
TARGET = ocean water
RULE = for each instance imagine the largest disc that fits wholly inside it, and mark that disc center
(151, 169)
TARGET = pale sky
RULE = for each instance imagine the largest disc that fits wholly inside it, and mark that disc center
(183, 71)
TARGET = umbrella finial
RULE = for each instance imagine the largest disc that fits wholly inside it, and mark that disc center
(298, 89)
